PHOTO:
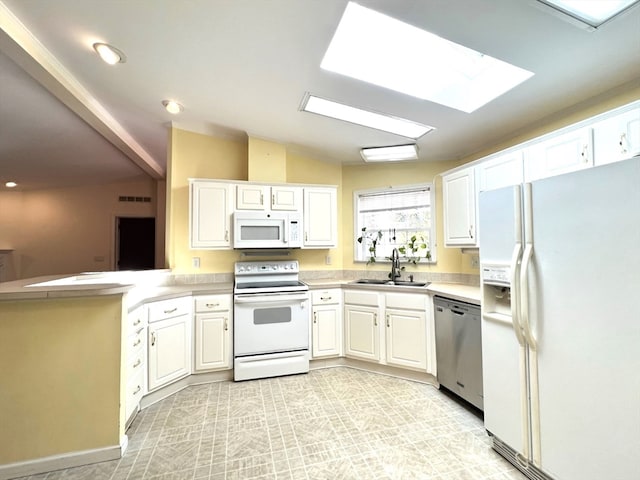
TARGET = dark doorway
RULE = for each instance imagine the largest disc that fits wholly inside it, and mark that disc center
(135, 243)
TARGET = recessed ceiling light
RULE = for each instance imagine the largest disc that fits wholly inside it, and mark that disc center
(396, 153)
(172, 106)
(379, 121)
(11, 184)
(109, 54)
(593, 13)
(381, 50)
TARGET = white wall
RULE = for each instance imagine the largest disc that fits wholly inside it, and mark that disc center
(69, 230)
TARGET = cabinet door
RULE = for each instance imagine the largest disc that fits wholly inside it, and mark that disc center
(252, 197)
(563, 153)
(211, 205)
(320, 217)
(362, 332)
(501, 171)
(213, 341)
(169, 350)
(326, 331)
(617, 138)
(286, 198)
(459, 196)
(406, 341)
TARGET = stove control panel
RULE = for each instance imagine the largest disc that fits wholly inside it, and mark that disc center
(266, 268)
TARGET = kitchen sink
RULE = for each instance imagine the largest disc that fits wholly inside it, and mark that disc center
(372, 281)
(398, 283)
(407, 283)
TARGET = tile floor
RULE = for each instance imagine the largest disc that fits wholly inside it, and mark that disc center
(336, 423)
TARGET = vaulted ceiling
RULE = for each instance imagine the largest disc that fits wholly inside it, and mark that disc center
(242, 67)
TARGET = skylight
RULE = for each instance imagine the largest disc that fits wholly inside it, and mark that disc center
(379, 121)
(381, 50)
(592, 12)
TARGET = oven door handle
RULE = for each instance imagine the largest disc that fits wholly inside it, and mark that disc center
(270, 298)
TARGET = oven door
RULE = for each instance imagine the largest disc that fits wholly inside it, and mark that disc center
(270, 323)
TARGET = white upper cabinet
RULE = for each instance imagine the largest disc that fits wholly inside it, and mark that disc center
(563, 153)
(265, 197)
(210, 207)
(617, 137)
(502, 171)
(459, 198)
(320, 217)
(252, 197)
(286, 198)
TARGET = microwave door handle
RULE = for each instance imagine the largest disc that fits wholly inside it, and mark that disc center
(285, 232)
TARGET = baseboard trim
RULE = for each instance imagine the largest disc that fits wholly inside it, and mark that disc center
(63, 461)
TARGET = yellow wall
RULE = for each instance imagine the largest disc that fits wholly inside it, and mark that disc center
(60, 377)
(267, 161)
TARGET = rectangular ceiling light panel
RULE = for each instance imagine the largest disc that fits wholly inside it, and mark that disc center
(379, 121)
(396, 153)
(591, 12)
(381, 50)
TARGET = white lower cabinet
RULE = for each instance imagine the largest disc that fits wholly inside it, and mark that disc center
(403, 316)
(135, 359)
(406, 327)
(213, 332)
(169, 341)
(326, 326)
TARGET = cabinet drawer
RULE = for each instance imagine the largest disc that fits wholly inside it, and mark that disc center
(406, 301)
(135, 341)
(135, 364)
(135, 320)
(135, 390)
(361, 298)
(169, 308)
(212, 303)
(324, 297)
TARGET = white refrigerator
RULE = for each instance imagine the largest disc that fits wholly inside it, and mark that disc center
(560, 279)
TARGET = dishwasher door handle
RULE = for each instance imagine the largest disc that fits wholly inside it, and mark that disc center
(457, 312)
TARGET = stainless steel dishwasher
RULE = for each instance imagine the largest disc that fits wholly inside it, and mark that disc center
(459, 348)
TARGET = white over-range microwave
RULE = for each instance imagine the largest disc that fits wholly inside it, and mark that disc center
(267, 230)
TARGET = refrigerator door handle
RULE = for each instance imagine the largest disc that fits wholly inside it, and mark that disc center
(515, 294)
(524, 296)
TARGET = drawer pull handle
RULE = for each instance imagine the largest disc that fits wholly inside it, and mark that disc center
(139, 331)
(315, 317)
(137, 390)
(137, 342)
(325, 298)
(388, 324)
(137, 364)
(172, 310)
(226, 235)
(212, 305)
(137, 322)
(375, 319)
(153, 338)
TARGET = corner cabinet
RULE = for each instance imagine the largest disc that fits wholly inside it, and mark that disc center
(326, 326)
(459, 199)
(320, 217)
(213, 332)
(211, 207)
(169, 341)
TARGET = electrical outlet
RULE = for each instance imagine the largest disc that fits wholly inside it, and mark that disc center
(327, 260)
(195, 261)
(475, 261)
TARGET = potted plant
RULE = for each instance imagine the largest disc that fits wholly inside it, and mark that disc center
(372, 239)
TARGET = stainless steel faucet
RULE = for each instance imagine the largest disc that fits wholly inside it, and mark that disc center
(395, 264)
